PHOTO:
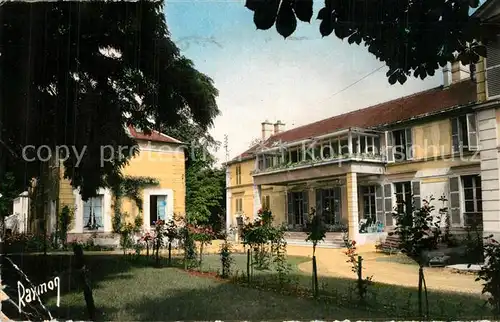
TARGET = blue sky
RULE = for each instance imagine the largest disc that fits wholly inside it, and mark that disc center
(262, 76)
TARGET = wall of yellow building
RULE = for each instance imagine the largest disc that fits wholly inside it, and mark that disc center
(432, 139)
(247, 166)
(481, 80)
(243, 190)
(277, 200)
(168, 168)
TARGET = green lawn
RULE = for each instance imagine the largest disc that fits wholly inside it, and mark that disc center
(132, 290)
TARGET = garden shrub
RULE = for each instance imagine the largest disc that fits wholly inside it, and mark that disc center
(158, 239)
(126, 233)
(202, 234)
(419, 231)
(172, 233)
(65, 222)
(225, 252)
(316, 233)
(356, 267)
(266, 242)
(490, 273)
(473, 243)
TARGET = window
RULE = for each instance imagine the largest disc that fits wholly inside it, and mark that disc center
(92, 213)
(239, 205)
(464, 133)
(266, 202)
(238, 174)
(399, 144)
(295, 156)
(344, 147)
(369, 209)
(472, 198)
(403, 195)
(157, 208)
(260, 162)
(465, 198)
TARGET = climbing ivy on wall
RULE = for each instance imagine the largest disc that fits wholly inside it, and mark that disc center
(130, 187)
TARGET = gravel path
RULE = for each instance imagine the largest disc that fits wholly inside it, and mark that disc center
(332, 262)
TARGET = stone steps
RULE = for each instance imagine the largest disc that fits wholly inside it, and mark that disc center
(324, 244)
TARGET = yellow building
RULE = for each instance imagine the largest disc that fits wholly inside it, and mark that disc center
(161, 157)
(354, 169)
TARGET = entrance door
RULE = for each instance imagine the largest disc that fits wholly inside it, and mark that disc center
(297, 209)
(328, 205)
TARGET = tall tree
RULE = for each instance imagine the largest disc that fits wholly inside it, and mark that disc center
(73, 73)
(205, 183)
(411, 37)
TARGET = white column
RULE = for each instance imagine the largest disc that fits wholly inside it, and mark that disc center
(490, 184)
(257, 200)
(352, 205)
(107, 210)
(229, 218)
(78, 226)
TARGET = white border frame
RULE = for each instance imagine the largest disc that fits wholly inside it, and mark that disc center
(106, 212)
(157, 192)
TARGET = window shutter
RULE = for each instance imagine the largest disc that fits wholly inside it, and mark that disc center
(493, 68)
(319, 199)
(389, 146)
(305, 204)
(289, 208)
(409, 143)
(379, 202)
(415, 190)
(455, 137)
(388, 205)
(472, 132)
(455, 200)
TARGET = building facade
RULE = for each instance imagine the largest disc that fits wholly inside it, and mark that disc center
(439, 145)
(160, 157)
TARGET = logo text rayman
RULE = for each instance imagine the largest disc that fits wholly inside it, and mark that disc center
(28, 295)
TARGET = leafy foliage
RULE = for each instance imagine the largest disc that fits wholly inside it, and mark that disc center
(9, 193)
(130, 187)
(317, 230)
(225, 252)
(75, 70)
(417, 229)
(356, 267)
(205, 183)
(411, 37)
(490, 273)
(202, 234)
(264, 239)
(66, 220)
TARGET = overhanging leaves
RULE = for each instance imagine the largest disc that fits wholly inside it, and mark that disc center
(411, 37)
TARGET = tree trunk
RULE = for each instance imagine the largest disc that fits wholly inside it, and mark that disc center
(315, 277)
(420, 275)
(169, 253)
(84, 281)
(201, 255)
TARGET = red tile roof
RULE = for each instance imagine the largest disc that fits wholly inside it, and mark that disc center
(431, 101)
(154, 137)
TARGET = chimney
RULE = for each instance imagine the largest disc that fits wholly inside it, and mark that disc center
(278, 127)
(458, 72)
(446, 76)
(267, 130)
